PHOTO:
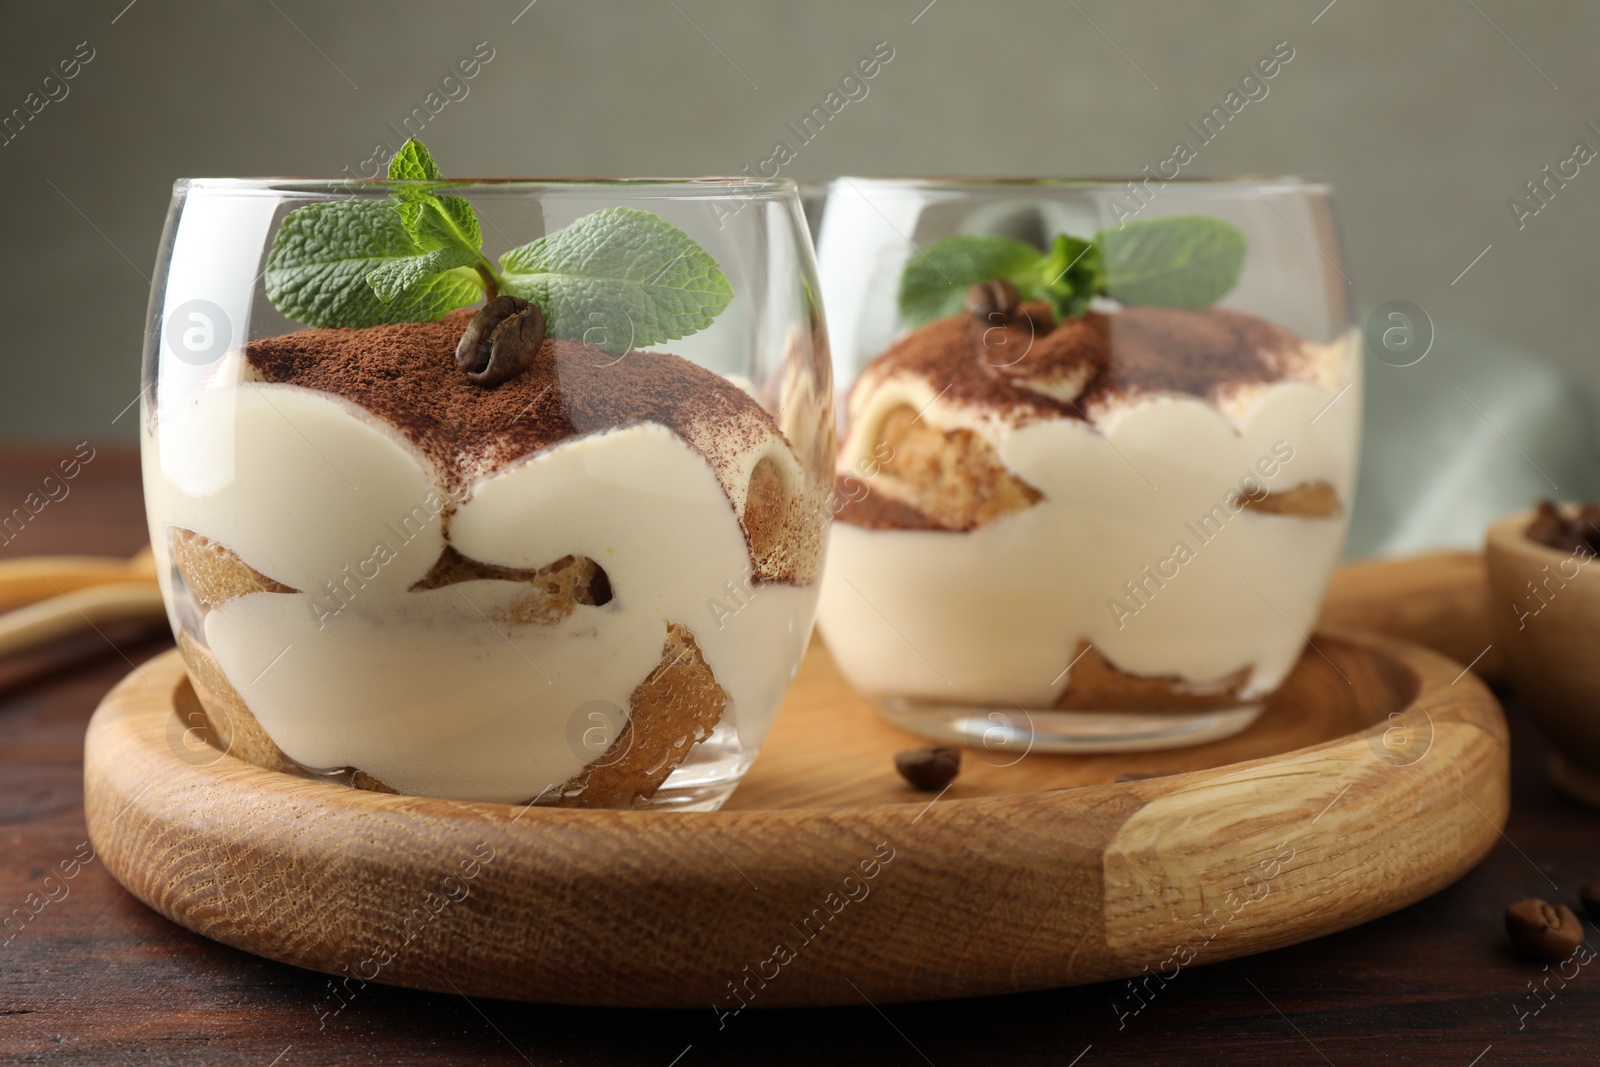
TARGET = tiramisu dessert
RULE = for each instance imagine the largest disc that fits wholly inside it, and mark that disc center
(479, 556)
(1050, 500)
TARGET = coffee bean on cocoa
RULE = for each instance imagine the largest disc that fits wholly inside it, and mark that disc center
(996, 296)
(501, 341)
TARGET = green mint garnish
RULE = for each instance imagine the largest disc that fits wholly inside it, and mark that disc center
(438, 224)
(1186, 261)
(323, 255)
(620, 272)
(936, 279)
(619, 278)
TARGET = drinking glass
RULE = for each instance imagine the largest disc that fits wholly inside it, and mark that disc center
(383, 575)
(1111, 533)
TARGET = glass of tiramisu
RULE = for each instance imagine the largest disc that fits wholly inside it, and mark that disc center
(1098, 443)
(508, 491)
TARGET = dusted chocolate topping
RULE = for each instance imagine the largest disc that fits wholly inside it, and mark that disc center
(1195, 352)
(1020, 366)
(407, 375)
(1010, 366)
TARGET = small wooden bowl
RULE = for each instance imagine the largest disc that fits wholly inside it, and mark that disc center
(1545, 604)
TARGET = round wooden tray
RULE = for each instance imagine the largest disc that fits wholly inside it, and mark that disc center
(1378, 776)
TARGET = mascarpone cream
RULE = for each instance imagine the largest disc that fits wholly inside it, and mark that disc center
(1138, 534)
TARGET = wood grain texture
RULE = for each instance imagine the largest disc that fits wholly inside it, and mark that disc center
(1439, 600)
(95, 977)
(1546, 605)
(1031, 876)
(32, 578)
(48, 620)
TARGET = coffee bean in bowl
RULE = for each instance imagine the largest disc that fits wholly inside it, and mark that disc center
(1566, 530)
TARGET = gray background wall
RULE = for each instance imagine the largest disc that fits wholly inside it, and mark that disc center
(1426, 116)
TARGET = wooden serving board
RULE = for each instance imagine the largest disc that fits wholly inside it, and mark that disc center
(826, 879)
(1438, 599)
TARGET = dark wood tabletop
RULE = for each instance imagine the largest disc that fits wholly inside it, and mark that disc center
(88, 975)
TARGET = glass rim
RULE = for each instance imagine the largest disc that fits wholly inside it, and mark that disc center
(711, 188)
(1252, 182)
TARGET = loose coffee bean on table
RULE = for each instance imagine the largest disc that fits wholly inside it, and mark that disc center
(1589, 897)
(930, 768)
(1545, 931)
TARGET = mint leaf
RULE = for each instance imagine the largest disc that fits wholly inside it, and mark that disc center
(1073, 273)
(322, 255)
(414, 163)
(442, 222)
(433, 221)
(391, 280)
(1185, 261)
(936, 280)
(619, 278)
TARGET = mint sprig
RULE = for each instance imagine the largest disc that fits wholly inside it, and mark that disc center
(936, 279)
(619, 273)
(618, 278)
(324, 254)
(1185, 261)
(444, 227)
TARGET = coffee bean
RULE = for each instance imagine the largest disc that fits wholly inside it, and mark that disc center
(1545, 931)
(996, 296)
(1589, 897)
(1553, 528)
(501, 341)
(1587, 524)
(930, 768)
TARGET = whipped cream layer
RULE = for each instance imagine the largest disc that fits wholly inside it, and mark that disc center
(420, 688)
(1141, 494)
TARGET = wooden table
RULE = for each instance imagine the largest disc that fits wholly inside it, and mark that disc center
(88, 975)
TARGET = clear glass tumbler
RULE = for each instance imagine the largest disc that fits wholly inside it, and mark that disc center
(416, 537)
(1098, 445)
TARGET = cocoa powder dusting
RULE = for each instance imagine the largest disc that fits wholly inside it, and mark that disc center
(1195, 352)
(1136, 350)
(406, 374)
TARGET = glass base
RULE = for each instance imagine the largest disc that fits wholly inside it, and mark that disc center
(687, 798)
(705, 780)
(702, 782)
(1009, 732)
